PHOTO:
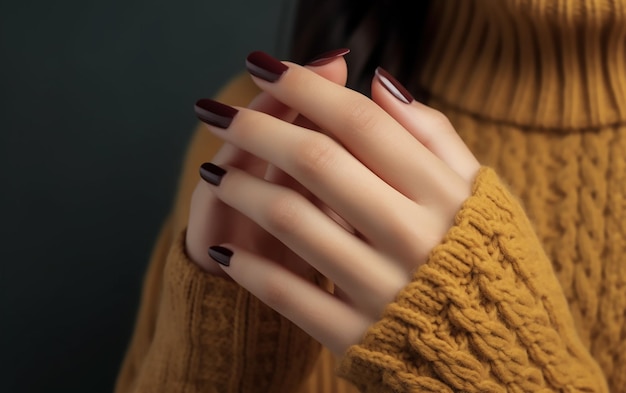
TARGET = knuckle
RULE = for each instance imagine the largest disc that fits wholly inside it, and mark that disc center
(315, 155)
(283, 213)
(360, 115)
(439, 118)
(438, 125)
(429, 140)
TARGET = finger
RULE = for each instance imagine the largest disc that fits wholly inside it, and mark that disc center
(232, 155)
(279, 177)
(369, 278)
(330, 66)
(366, 130)
(205, 208)
(330, 321)
(385, 217)
(431, 127)
(205, 211)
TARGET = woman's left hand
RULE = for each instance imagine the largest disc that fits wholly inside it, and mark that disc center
(393, 170)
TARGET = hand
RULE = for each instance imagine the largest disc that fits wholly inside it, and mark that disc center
(397, 173)
(212, 222)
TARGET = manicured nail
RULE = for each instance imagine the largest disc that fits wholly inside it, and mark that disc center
(264, 66)
(327, 57)
(393, 86)
(212, 173)
(221, 255)
(215, 113)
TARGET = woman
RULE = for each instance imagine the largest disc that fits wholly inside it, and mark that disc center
(441, 283)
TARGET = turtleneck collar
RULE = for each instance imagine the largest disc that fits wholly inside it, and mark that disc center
(544, 64)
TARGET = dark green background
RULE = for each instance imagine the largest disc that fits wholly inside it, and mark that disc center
(96, 106)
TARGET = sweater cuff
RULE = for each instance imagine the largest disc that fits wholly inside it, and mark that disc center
(485, 313)
(213, 335)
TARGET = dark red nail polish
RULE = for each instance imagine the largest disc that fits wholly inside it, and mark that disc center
(215, 113)
(393, 86)
(264, 66)
(221, 255)
(212, 173)
(327, 57)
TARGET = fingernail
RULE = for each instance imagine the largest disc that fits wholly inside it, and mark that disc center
(393, 86)
(221, 255)
(212, 173)
(264, 66)
(215, 113)
(327, 57)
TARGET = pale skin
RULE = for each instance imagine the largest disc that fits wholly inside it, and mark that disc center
(358, 189)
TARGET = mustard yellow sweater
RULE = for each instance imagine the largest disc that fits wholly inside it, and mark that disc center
(515, 298)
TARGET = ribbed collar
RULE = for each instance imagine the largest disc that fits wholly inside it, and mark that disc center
(548, 64)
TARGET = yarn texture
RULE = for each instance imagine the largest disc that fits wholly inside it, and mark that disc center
(527, 291)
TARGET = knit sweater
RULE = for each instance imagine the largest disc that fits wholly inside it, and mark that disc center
(526, 292)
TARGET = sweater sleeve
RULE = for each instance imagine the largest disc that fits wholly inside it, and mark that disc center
(196, 332)
(211, 335)
(485, 314)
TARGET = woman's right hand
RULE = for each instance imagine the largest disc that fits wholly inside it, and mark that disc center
(213, 222)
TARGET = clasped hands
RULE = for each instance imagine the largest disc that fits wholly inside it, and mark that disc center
(315, 177)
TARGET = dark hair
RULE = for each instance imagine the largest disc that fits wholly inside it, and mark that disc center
(387, 33)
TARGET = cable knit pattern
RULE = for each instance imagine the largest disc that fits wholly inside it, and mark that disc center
(204, 323)
(485, 314)
(537, 90)
(573, 188)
